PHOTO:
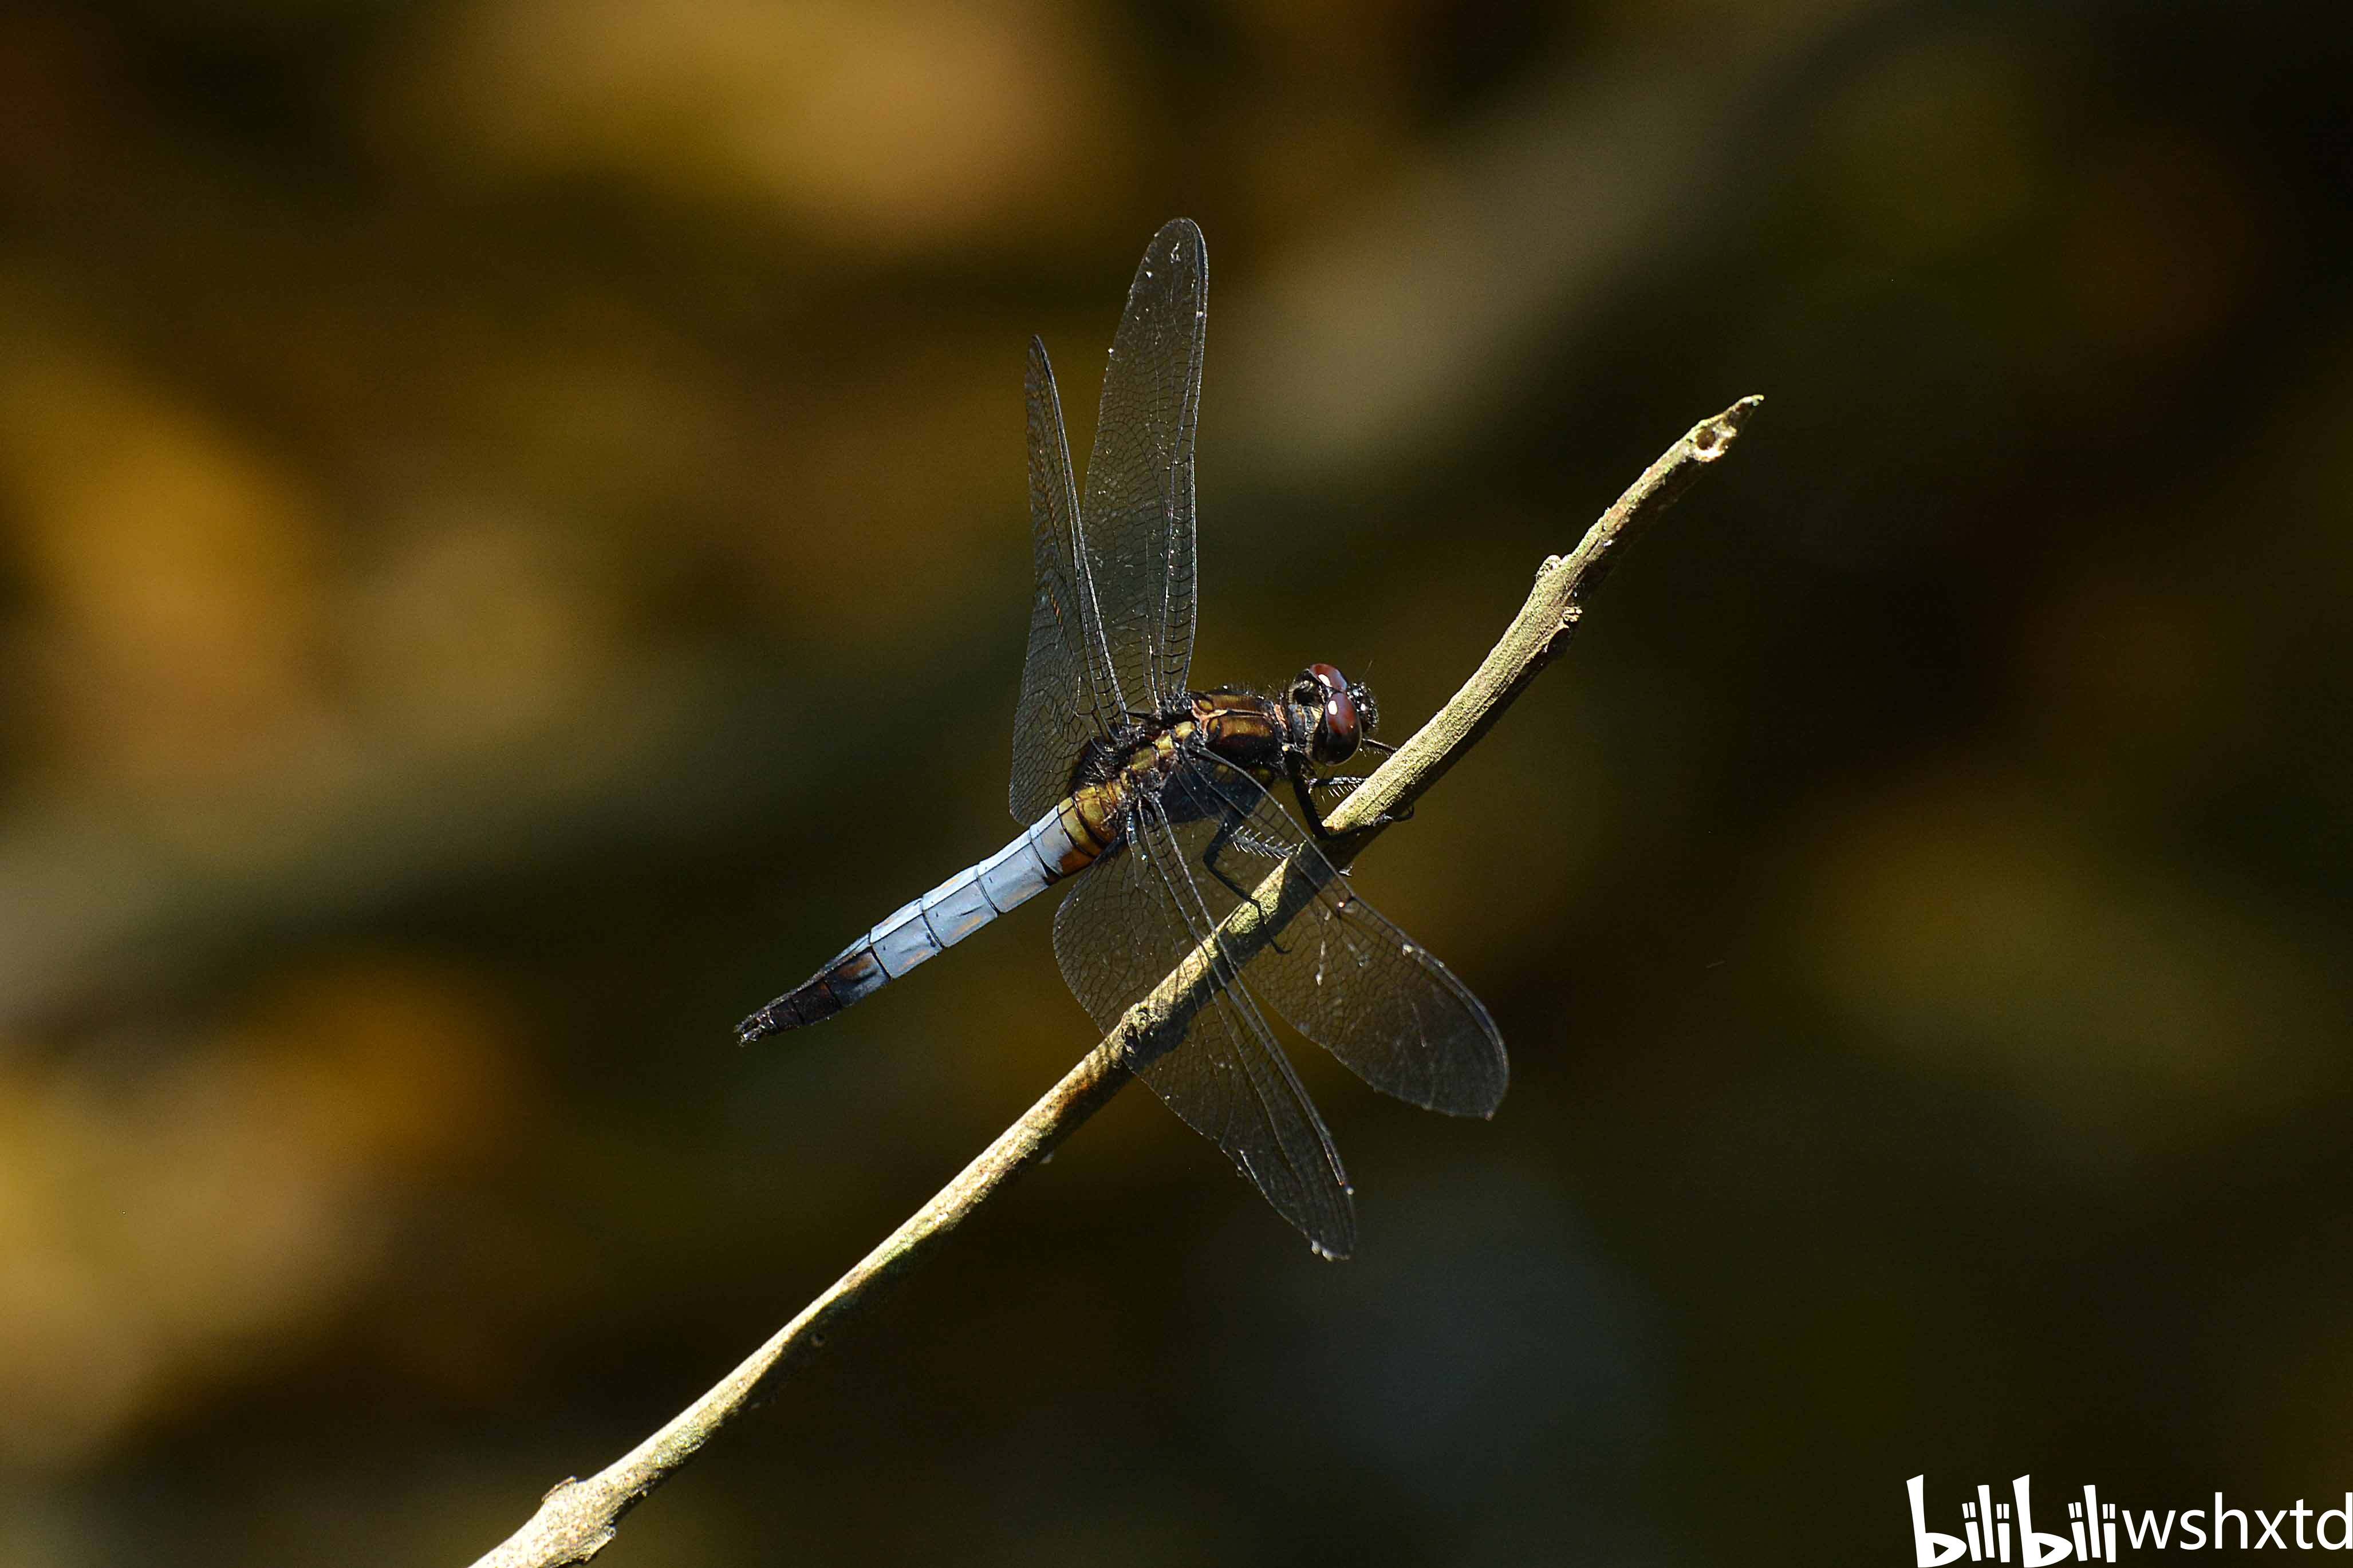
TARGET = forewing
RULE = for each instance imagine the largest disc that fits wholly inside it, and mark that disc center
(1067, 694)
(1138, 523)
(1123, 929)
(1335, 969)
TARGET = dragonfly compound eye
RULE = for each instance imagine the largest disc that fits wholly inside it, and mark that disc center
(1336, 732)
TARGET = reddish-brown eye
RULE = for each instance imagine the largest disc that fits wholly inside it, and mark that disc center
(1339, 731)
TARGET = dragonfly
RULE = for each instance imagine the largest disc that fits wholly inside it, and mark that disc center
(1151, 798)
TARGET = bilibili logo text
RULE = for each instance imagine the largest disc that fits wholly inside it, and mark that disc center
(2093, 1530)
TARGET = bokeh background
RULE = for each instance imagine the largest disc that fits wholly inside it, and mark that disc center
(513, 548)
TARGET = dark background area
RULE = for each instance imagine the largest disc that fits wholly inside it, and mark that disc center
(512, 550)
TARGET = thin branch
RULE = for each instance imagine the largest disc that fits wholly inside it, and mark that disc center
(577, 1519)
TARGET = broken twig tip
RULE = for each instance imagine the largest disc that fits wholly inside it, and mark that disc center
(1710, 437)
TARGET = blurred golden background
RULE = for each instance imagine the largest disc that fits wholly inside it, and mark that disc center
(499, 498)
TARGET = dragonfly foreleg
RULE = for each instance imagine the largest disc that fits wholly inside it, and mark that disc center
(1305, 784)
(1340, 788)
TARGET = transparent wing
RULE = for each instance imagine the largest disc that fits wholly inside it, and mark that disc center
(1138, 523)
(1132, 917)
(1335, 970)
(1067, 691)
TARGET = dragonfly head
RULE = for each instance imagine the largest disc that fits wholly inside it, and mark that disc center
(1341, 711)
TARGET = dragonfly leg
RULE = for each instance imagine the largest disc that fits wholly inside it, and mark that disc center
(1341, 788)
(1238, 834)
(1305, 783)
(1234, 832)
(1259, 845)
(1213, 852)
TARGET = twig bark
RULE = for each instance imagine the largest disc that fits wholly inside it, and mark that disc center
(578, 1518)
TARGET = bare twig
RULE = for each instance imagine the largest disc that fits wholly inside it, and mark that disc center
(576, 1520)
